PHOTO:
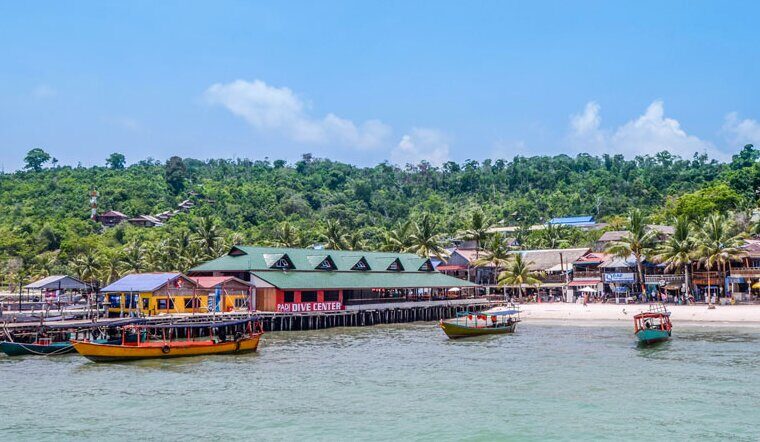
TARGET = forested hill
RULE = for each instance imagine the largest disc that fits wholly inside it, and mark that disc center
(46, 209)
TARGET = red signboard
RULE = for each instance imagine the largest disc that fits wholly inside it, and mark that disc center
(298, 307)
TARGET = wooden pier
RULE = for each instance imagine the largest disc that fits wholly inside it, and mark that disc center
(352, 316)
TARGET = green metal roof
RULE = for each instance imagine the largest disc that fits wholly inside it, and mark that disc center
(359, 280)
(246, 258)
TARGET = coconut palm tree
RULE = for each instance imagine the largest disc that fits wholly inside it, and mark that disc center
(285, 235)
(355, 241)
(425, 239)
(111, 265)
(638, 241)
(397, 239)
(133, 258)
(497, 255)
(680, 249)
(553, 236)
(87, 266)
(207, 234)
(518, 273)
(478, 229)
(718, 246)
(45, 264)
(334, 236)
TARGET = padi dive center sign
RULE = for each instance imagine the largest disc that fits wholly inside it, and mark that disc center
(298, 307)
(619, 277)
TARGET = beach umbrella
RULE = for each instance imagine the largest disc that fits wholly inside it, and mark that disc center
(756, 285)
(587, 290)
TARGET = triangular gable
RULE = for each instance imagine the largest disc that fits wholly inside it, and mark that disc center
(361, 264)
(326, 264)
(396, 266)
(426, 266)
(236, 251)
(278, 261)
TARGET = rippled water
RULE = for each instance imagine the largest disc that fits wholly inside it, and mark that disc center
(547, 381)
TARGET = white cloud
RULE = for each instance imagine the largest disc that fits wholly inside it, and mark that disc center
(741, 132)
(649, 133)
(269, 108)
(421, 144)
(44, 91)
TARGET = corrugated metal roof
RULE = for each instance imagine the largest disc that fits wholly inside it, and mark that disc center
(209, 282)
(359, 280)
(245, 258)
(141, 282)
(56, 282)
(572, 220)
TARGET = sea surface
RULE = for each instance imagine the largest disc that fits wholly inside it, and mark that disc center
(404, 382)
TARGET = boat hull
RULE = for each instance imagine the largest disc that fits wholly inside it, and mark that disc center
(20, 349)
(652, 336)
(112, 353)
(456, 331)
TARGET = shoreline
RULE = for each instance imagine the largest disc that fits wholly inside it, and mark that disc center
(699, 314)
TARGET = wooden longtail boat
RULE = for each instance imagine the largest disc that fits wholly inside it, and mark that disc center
(653, 326)
(491, 322)
(41, 347)
(176, 340)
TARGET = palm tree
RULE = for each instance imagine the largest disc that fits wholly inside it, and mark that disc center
(111, 265)
(355, 241)
(680, 250)
(87, 266)
(397, 239)
(333, 236)
(478, 229)
(207, 234)
(285, 235)
(518, 274)
(45, 264)
(553, 236)
(718, 246)
(425, 240)
(497, 255)
(638, 241)
(133, 258)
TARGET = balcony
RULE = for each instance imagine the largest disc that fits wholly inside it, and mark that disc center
(587, 274)
(667, 279)
(745, 272)
(554, 278)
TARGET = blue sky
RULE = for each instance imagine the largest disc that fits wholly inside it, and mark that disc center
(364, 82)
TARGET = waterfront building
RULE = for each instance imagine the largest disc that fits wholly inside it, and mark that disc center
(152, 294)
(303, 280)
(224, 293)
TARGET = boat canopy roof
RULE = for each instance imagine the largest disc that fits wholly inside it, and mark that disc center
(496, 313)
(197, 324)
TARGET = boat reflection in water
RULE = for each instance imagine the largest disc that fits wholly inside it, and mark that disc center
(496, 321)
(176, 340)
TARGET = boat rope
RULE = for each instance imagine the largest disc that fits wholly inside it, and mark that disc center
(61, 350)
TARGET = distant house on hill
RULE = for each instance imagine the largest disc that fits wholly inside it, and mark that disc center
(112, 218)
(663, 232)
(579, 222)
(145, 221)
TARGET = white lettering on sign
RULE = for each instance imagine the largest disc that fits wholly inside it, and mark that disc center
(299, 307)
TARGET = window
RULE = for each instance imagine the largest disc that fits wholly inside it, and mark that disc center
(241, 302)
(426, 267)
(146, 303)
(309, 296)
(361, 265)
(192, 303)
(396, 266)
(161, 304)
(326, 264)
(114, 301)
(332, 296)
(289, 297)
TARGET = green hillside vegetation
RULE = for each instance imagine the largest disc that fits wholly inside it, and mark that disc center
(45, 226)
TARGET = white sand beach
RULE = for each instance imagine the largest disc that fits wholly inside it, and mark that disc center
(722, 315)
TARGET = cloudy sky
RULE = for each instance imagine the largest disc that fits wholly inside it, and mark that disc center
(364, 83)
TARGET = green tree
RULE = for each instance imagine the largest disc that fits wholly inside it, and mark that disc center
(35, 159)
(175, 174)
(518, 274)
(638, 241)
(334, 236)
(679, 250)
(425, 239)
(717, 246)
(207, 235)
(477, 229)
(116, 161)
(285, 235)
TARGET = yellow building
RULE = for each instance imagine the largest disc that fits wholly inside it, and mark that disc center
(153, 294)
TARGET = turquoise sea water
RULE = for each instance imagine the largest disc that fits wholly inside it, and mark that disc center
(548, 381)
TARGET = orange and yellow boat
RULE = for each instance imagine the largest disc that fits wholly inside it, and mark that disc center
(176, 340)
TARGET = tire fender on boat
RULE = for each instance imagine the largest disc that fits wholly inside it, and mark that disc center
(165, 349)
